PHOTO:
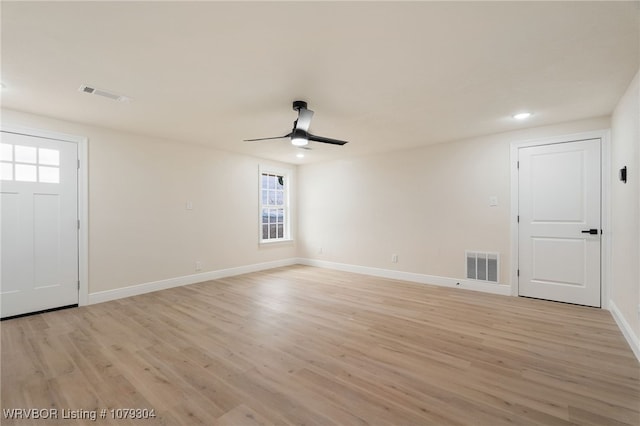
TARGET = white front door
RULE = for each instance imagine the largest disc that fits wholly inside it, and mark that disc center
(559, 222)
(39, 232)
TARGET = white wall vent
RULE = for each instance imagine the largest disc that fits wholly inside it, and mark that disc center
(482, 266)
(104, 93)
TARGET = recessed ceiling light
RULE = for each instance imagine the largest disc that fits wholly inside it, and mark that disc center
(522, 115)
(300, 155)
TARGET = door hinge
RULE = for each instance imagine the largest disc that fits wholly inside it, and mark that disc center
(78, 284)
(78, 223)
(78, 164)
(518, 272)
(518, 165)
(518, 218)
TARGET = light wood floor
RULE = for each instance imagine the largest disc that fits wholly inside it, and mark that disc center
(302, 345)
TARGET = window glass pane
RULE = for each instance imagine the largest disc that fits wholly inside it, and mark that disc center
(273, 199)
(25, 154)
(49, 174)
(50, 157)
(25, 173)
(6, 171)
(6, 152)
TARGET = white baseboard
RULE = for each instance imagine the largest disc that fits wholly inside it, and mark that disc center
(486, 287)
(119, 293)
(627, 331)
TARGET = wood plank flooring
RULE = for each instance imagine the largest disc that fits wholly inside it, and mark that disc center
(303, 345)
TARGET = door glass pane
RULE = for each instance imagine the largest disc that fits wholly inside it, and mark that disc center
(25, 173)
(280, 230)
(265, 216)
(50, 157)
(49, 174)
(6, 171)
(6, 152)
(25, 154)
(265, 232)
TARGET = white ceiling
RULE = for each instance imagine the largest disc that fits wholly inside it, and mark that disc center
(383, 76)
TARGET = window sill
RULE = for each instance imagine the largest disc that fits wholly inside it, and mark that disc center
(275, 242)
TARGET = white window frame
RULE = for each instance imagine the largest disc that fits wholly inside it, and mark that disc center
(265, 170)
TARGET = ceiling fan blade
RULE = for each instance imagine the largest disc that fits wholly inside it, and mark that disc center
(304, 119)
(266, 139)
(326, 140)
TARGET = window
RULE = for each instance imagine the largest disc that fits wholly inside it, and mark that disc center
(29, 164)
(274, 206)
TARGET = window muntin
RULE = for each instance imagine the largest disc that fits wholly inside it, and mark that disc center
(274, 206)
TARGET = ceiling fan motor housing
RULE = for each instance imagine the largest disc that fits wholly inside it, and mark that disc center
(298, 105)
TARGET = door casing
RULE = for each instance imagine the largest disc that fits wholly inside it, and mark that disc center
(605, 268)
(83, 198)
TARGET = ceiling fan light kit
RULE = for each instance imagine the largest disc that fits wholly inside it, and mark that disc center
(299, 141)
(300, 135)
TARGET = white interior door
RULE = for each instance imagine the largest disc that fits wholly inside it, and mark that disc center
(39, 231)
(559, 205)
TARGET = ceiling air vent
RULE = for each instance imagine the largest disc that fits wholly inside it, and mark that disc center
(104, 93)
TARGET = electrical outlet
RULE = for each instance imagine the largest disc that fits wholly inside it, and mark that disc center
(198, 265)
(188, 205)
(394, 258)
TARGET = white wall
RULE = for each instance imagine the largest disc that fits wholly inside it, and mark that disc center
(139, 229)
(426, 205)
(625, 145)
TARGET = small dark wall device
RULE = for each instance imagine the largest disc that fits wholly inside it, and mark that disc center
(623, 174)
